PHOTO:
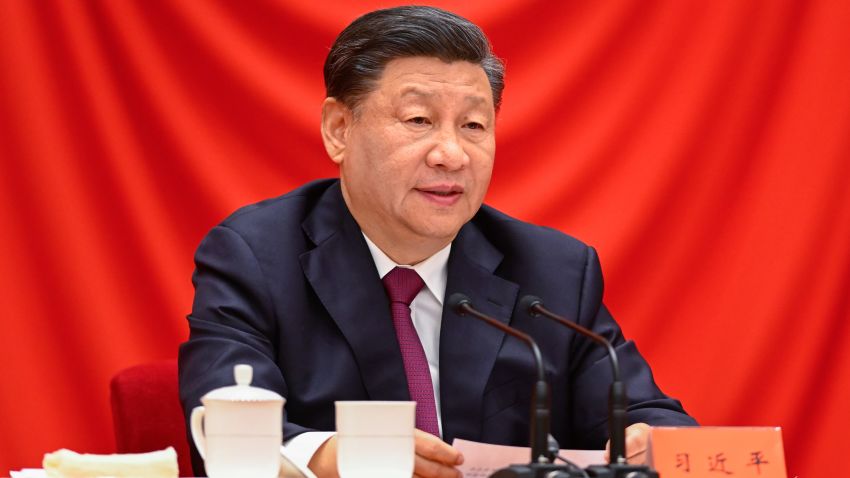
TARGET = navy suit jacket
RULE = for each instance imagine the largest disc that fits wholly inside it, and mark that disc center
(288, 285)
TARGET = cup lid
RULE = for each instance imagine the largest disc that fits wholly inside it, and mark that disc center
(242, 391)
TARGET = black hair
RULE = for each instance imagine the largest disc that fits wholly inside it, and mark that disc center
(362, 50)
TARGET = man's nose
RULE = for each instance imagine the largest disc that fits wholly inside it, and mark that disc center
(447, 152)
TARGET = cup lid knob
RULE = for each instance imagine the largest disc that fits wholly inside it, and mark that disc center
(242, 391)
(243, 374)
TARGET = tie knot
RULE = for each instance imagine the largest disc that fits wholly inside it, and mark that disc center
(402, 285)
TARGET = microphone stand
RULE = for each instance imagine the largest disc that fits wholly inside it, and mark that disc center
(542, 457)
(617, 466)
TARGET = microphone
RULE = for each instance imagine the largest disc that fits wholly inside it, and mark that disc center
(543, 451)
(616, 398)
(461, 305)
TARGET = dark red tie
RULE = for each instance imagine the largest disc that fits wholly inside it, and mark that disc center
(402, 285)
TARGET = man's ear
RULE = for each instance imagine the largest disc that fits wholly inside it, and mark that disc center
(336, 120)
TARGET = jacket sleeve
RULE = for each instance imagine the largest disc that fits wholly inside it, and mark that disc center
(591, 376)
(232, 321)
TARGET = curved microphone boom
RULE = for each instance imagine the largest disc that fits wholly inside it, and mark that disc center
(617, 396)
(617, 467)
(540, 407)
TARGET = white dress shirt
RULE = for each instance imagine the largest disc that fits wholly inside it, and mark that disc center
(426, 310)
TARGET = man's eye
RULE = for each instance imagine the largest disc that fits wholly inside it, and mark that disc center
(476, 126)
(418, 120)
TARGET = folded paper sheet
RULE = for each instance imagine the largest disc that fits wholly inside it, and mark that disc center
(69, 464)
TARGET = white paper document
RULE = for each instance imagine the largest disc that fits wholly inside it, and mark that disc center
(482, 460)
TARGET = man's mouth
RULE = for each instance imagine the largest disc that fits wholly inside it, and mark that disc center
(444, 195)
(442, 189)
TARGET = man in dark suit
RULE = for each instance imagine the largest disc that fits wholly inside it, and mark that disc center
(305, 287)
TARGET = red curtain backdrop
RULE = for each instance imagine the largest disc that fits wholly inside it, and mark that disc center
(702, 147)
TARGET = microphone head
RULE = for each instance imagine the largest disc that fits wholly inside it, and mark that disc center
(457, 301)
(528, 303)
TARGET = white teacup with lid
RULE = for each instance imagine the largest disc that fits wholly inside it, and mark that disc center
(238, 431)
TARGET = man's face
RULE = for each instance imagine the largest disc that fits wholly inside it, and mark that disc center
(419, 151)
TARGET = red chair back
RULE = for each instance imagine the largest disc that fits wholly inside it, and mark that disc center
(146, 411)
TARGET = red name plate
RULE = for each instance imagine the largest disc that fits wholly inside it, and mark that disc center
(715, 452)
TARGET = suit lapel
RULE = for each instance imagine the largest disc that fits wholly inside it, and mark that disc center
(468, 347)
(343, 275)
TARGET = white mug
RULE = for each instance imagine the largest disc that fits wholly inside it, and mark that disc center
(238, 431)
(375, 439)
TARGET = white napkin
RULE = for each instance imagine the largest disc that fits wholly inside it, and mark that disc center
(29, 473)
(155, 464)
(289, 467)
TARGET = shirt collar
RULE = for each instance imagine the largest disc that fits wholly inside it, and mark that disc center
(433, 270)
